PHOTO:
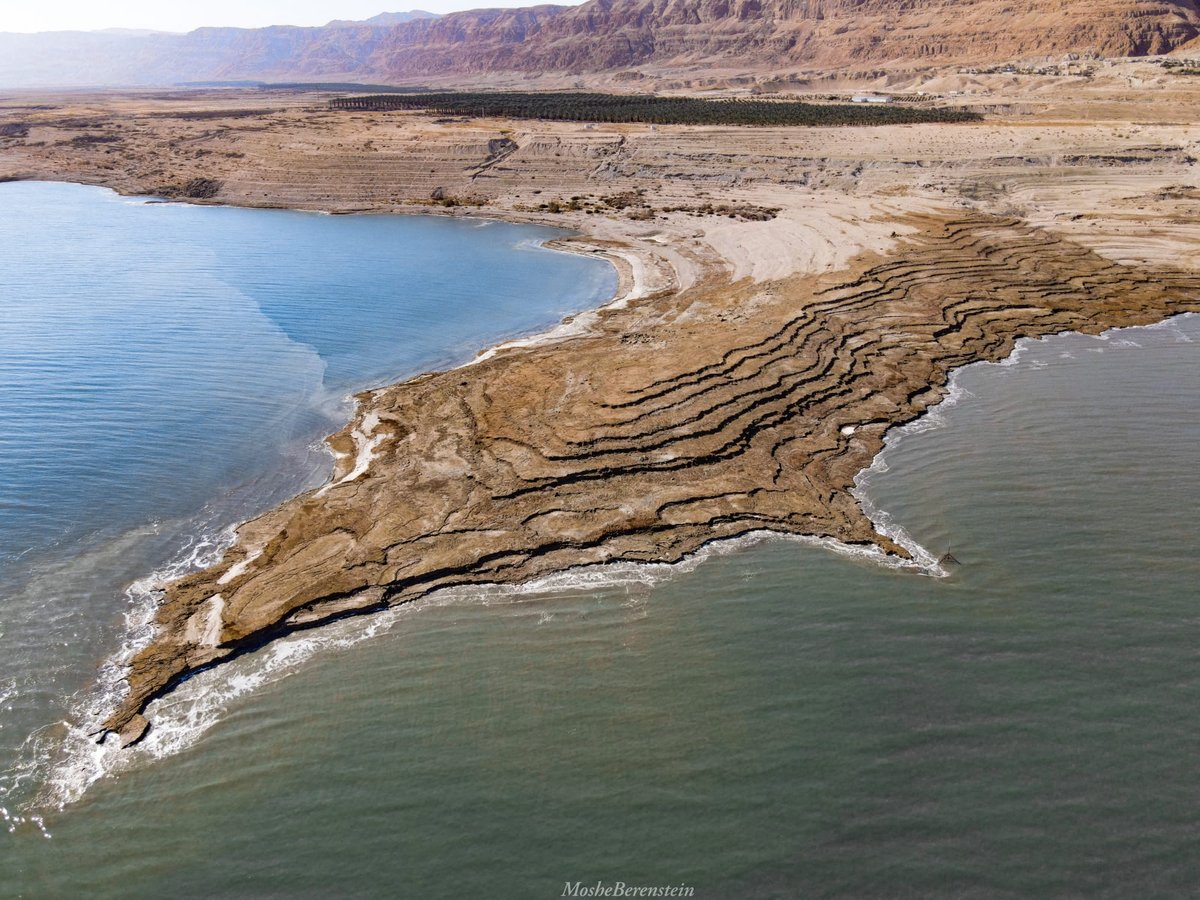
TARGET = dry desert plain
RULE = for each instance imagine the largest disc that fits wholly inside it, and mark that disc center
(787, 295)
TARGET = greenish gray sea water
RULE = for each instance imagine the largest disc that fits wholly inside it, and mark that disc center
(772, 719)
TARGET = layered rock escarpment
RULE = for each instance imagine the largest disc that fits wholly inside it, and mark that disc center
(603, 35)
(683, 418)
(608, 34)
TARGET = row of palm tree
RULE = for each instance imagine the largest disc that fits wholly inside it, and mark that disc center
(589, 107)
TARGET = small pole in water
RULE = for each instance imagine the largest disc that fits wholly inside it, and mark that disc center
(948, 559)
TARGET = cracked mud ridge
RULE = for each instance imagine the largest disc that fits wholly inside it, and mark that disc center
(687, 417)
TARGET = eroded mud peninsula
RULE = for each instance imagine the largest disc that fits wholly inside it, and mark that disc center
(688, 417)
(789, 295)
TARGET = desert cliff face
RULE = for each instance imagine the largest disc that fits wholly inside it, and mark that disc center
(607, 35)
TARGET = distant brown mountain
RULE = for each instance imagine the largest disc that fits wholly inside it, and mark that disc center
(74, 58)
(387, 18)
(614, 34)
(608, 34)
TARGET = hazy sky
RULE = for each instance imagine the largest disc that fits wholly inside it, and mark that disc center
(173, 15)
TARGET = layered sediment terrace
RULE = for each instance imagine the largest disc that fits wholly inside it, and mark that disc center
(688, 417)
(790, 294)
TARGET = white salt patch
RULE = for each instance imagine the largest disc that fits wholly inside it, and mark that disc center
(366, 442)
(204, 625)
(239, 569)
(583, 322)
(212, 628)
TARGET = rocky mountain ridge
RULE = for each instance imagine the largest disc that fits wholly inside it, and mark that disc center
(604, 35)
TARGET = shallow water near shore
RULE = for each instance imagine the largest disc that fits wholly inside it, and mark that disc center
(169, 370)
(774, 720)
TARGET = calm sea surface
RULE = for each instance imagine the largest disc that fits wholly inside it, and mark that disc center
(775, 720)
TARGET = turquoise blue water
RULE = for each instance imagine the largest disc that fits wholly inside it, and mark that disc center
(149, 352)
(772, 720)
(168, 370)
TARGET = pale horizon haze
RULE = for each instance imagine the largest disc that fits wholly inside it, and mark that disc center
(87, 15)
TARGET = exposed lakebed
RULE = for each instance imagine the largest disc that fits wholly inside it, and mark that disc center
(772, 721)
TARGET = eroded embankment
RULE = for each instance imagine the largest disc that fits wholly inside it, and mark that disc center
(681, 419)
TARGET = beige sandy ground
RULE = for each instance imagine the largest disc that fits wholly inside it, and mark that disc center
(1086, 158)
(787, 295)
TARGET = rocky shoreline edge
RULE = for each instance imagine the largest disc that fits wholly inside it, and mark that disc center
(641, 431)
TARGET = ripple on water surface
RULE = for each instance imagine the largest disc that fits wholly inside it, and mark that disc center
(775, 720)
(167, 370)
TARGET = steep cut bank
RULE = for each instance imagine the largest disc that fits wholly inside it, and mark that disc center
(605, 35)
(682, 418)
